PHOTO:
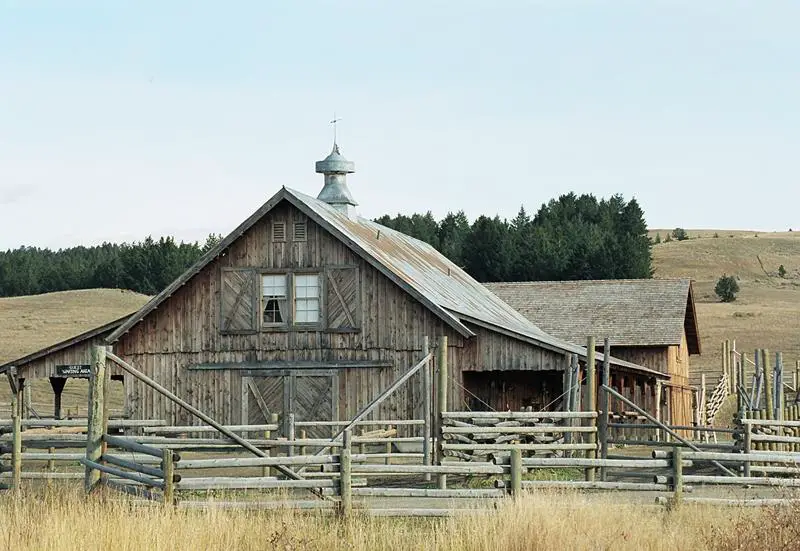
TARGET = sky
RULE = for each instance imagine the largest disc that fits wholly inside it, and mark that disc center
(120, 120)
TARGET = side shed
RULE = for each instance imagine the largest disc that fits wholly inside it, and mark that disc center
(651, 322)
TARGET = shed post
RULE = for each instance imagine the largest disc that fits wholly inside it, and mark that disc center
(96, 415)
(591, 401)
(427, 397)
(345, 481)
(658, 408)
(57, 384)
(441, 400)
(274, 419)
(602, 420)
(16, 445)
(25, 406)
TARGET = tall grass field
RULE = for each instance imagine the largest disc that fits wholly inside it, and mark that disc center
(67, 520)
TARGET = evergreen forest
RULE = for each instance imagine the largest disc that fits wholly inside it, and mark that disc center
(572, 237)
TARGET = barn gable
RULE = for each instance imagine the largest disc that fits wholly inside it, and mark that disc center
(416, 267)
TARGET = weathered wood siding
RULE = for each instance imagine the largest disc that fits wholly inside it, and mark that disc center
(185, 332)
(78, 353)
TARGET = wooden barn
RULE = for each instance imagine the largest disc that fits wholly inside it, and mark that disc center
(308, 308)
(651, 322)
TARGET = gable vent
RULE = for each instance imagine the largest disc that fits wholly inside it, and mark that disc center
(279, 231)
(299, 231)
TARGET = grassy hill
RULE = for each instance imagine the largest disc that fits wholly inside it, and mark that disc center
(28, 324)
(766, 313)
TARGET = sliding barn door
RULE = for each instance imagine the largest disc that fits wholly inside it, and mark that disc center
(311, 396)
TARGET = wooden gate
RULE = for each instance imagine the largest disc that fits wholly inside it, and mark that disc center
(308, 394)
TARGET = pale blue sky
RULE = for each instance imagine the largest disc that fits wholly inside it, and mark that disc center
(123, 119)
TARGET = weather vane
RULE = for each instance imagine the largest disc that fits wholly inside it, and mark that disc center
(333, 122)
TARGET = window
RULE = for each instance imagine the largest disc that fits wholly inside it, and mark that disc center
(306, 298)
(299, 231)
(279, 231)
(273, 291)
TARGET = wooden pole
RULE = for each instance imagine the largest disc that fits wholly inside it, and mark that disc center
(677, 474)
(345, 480)
(748, 445)
(658, 407)
(769, 392)
(16, 446)
(25, 410)
(94, 433)
(591, 401)
(743, 383)
(441, 401)
(427, 410)
(780, 399)
(168, 466)
(274, 418)
(602, 420)
(516, 472)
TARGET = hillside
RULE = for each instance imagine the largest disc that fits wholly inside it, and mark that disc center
(30, 323)
(766, 313)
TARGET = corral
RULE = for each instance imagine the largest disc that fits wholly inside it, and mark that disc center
(313, 351)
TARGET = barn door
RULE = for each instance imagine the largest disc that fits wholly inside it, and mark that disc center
(309, 395)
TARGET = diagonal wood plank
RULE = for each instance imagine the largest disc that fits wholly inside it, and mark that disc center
(262, 405)
(338, 293)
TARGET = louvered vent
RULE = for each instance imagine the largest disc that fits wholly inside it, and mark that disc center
(279, 231)
(299, 231)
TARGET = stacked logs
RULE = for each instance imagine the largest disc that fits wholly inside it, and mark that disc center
(503, 437)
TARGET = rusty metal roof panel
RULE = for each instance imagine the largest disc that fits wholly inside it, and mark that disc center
(425, 269)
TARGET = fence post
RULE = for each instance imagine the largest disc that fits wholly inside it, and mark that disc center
(168, 466)
(441, 400)
(427, 397)
(290, 433)
(602, 420)
(94, 433)
(16, 445)
(591, 402)
(345, 470)
(748, 446)
(779, 392)
(516, 472)
(273, 420)
(303, 435)
(677, 475)
(769, 392)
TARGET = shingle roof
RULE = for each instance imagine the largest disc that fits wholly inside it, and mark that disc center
(414, 265)
(631, 312)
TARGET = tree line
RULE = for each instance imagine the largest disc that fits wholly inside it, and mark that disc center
(572, 237)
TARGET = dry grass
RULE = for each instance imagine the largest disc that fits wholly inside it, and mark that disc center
(766, 313)
(66, 520)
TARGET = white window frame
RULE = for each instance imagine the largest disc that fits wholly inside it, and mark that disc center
(294, 295)
(282, 301)
(303, 298)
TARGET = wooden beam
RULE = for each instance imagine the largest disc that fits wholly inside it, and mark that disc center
(278, 365)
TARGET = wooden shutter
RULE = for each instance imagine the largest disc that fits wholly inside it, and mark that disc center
(343, 305)
(238, 311)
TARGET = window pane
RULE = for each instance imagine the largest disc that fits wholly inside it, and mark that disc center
(273, 285)
(307, 310)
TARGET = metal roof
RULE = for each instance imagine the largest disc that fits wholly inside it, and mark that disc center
(414, 265)
(632, 312)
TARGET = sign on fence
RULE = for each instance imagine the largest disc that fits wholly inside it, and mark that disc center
(74, 370)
